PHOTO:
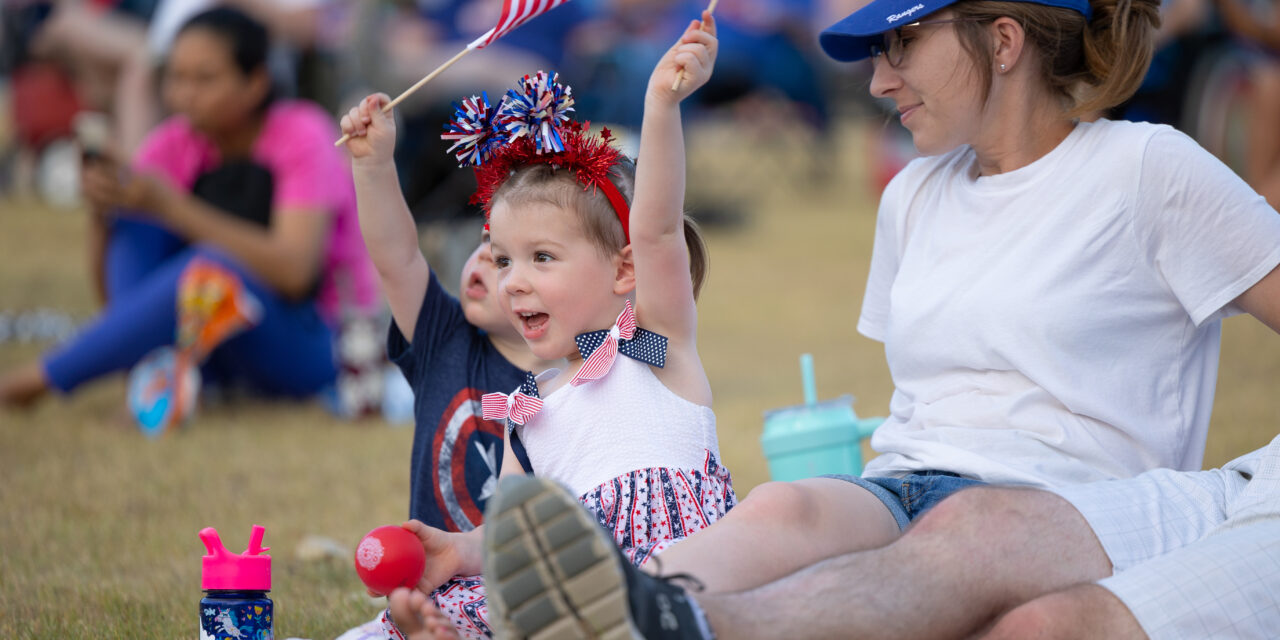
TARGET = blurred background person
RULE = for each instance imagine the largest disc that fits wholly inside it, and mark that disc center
(1257, 25)
(235, 178)
(96, 44)
(103, 56)
(62, 58)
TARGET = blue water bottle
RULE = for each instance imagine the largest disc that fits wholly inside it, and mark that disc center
(235, 605)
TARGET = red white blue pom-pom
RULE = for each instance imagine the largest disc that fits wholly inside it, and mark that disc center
(537, 109)
(531, 125)
(473, 130)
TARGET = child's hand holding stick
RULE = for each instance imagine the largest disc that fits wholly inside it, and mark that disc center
(706, 15)
(371, 131)
(690, 61)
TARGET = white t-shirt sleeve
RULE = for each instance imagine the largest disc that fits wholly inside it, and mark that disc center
(1207, 233)
(873, 322)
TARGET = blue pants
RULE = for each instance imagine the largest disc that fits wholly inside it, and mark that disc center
(290, 352)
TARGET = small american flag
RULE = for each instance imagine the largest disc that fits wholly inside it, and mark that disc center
(514, 14)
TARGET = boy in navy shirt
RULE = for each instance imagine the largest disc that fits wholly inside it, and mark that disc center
(451, 350)
(460, 350)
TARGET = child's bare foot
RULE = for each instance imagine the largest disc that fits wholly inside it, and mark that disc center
(418, 618)
(21, 387)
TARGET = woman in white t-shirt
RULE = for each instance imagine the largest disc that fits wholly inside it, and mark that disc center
(1049, 290)
(1049, 286)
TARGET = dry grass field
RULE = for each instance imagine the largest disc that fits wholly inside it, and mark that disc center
(98, 536)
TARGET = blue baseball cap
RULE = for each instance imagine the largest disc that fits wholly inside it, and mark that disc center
(851, 38)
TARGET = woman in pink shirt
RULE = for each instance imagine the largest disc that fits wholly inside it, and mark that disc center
(235, 179)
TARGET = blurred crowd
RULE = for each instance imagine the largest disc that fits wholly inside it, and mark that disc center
(82, 73)
(1216, 74)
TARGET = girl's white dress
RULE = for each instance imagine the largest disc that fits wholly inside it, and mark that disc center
(642, 459)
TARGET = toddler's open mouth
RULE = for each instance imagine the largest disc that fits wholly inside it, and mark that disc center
(533, 323)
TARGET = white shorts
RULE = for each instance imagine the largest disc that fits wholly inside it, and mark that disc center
(1147, 516)
(1224, 586)
(1195, 554)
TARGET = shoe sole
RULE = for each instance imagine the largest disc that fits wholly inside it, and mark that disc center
(549, 569)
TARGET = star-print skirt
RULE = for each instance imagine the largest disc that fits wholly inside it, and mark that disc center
(647, 510)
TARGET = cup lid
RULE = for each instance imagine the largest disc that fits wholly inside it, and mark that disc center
(248, 571)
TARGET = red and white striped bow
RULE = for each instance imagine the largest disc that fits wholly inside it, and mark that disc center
(601, 360)
(517, 407)
(514, 14)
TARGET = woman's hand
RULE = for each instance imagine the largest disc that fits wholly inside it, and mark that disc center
(692, 59)
(108, 186)
(372, 132)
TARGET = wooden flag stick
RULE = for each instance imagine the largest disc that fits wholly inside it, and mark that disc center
(675, 86)
(407, 92)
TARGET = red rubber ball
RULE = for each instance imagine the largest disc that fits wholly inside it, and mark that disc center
(390, 557)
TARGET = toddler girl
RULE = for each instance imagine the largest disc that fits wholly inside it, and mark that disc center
(598, 266)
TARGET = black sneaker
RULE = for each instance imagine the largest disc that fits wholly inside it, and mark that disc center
(552, 572)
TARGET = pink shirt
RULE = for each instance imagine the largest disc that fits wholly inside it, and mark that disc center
(309, 174)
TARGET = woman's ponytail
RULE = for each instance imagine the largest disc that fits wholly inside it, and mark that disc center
(1118, 45)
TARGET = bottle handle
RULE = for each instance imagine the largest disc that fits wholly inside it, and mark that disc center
(866, 426)
(255, 541)
(212, 543)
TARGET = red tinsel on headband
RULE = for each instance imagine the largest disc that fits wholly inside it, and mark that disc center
(589, 157)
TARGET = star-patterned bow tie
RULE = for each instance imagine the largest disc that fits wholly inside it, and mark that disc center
(518, 407)
(600, 348)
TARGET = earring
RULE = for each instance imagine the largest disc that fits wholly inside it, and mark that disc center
(1002, 67)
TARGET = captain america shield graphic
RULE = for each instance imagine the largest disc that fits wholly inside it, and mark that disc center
(466, 451)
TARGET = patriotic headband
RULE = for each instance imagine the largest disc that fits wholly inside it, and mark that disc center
(531, 125)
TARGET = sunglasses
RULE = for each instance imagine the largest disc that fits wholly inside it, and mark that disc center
(894, 47)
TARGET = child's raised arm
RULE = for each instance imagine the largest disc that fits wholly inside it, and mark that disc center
(664, 292)
(385, 222)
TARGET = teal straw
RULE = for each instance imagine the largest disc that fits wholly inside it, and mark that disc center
(806, 375)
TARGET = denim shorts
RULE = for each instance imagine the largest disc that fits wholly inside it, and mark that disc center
(909, 497)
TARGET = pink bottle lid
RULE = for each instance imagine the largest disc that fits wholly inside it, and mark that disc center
(235, 572)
